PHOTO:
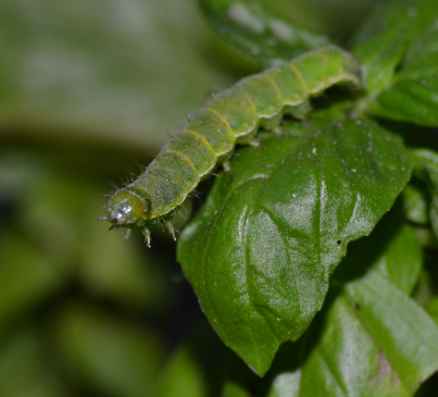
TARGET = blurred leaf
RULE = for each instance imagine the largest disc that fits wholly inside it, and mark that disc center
(109, 355)
(118, 269)
(427, 164)
(254, 29)
(27, 276)
(128, 71)
(260, 253)
(413, 96)
(183, 373)
(23, 370)
(374, 340)
(60, 214)
(55, 212)
(121, 269)
(233, 390)
(383, 41)
(398, 51)
(191, 368)
(415, 205)
(432, 309)
(268, 31)
(338, 19)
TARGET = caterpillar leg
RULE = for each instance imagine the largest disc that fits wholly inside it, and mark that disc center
(254, 142)
(171, 229)
(127, 234)
(226, 166)
(147, 236)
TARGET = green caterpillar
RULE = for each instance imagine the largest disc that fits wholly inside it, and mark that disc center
(230, 118)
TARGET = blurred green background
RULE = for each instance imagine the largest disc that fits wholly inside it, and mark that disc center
(89, 91)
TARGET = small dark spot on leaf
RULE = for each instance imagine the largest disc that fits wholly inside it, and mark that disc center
(339, 242)
(357, 306)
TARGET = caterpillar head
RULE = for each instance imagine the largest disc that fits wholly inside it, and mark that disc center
(126, 208)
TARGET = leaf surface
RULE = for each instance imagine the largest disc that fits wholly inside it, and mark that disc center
(260, 253)
(413, 95)
(253, 28)
(374, 340)
(398, 51)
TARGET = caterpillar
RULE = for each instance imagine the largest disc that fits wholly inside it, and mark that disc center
(231, 117)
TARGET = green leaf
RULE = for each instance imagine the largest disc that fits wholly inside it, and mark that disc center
(413, 95)
(27, 276)
(255, 29)
(427, 165)
(185, 372)
(415, 204)
(234, 390)
(432, 308)
(182, 372)
(260, 253)
(190, 368)
(381, 43)
(53, 206)
(106, 354)
(374, 340)
(23, 368)
(400, 61)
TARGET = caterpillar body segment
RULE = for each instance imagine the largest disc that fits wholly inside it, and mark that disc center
(230, 118)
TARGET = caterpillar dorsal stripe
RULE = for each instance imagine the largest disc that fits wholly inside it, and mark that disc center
(229, 118)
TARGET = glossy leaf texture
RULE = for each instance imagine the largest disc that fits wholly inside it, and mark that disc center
(254, 28)
(374, 340)
(399, 55)
(260, 253)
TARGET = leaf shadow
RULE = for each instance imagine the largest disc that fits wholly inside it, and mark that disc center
(365, 252)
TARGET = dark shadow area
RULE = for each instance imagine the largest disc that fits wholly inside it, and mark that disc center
(364, 252)
(413, 135)
(429, 388)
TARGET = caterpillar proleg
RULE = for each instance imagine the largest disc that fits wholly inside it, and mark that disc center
(230, 118)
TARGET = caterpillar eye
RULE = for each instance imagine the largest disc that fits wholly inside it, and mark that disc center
(121, 214)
